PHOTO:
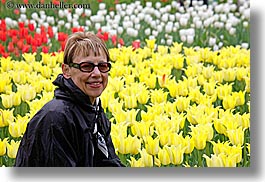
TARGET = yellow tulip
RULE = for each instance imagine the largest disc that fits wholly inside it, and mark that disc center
(150, 43)
(208, 71)
(134, 144)
(239, 97)
(142, 129)
(7, 101)
(20, 77)
(200, 140)
(214, 161)
(177, 61)
(176, 48)
(229, 160)
(130, 101)
(146, 158)
(229, 102)
(229, 74)
(158, 96)
(209, 88)
(15, 129)
(218, 76)
(182, 103)
(29, 57)
(16, 98)
(178, 154)
(136, 163)
(224, 90)
(151, 145)
(3, 146)
(188, 144)
(236, 136)
(6, 116)
(27, 92)
(6, 63)
(163, 156)
(12, 148)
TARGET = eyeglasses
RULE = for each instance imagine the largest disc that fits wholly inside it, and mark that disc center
(89, 67)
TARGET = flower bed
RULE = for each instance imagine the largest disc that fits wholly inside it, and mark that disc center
(179, 89)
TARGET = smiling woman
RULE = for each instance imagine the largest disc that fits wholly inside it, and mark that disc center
(72, 129)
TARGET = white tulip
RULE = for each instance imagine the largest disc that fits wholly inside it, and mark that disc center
(112, 32)
(68, 25)
(88, 23)
(155, 33)
(23, 17)
(245, 24)
(228, 26)
(183, 21)
(120, 30)
(97, 26)
(118, 7)
(61, 22)
(183, 38)
(137, 26)
(246, 13)
(190, 32)
(232, 31)
(215, 48)
(153, 24)
(46, 25)
(54, 29)
(50, 20)
(157, 14)
(79, 11)
(149, 4)
(169, 27)
(198, 24)
(212, 41)
(34, 16)
(88, 12)
(164, 17)
(174, 4)
(159, 28)
(162, 41)
(102, 6)
(123, 6)
(169, 42)
(115, 25)
(171, 17)
(190, 39)
(147, 31)
(245, 45)
(23, 10)
(151, 37)
(136, 20)
(220, 44)
(69, 18)
(38, 30)
(129, 11)
(9, 22)
(158, 5)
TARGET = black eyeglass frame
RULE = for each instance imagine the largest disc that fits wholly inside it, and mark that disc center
(79, 66)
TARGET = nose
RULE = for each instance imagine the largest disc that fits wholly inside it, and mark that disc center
(96, 71)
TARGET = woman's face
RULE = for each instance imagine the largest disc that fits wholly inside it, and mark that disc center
(94, 82)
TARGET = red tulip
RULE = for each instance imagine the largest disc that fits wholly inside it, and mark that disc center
(50, 32)
(31, 27)
(21, 24)
(10, 47)
(16, 11)
(114, 40)
(62, 36)
(45, 49)
(121, 42)
(2, 36)
(20, 44)
(33, 49)
(25, 48)
(2, 25)
(136, 44)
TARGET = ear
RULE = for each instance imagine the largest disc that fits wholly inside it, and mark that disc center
(66, 71)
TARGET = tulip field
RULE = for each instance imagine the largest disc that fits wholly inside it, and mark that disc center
(179, 88)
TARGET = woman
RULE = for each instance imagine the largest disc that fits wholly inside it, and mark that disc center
(72, 129)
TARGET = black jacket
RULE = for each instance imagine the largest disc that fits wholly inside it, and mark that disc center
(61, 133)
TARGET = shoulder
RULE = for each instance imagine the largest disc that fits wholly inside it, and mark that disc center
(54, 113)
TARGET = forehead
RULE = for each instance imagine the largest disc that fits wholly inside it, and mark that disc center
(90, 54)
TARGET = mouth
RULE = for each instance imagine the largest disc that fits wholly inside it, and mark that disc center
(95, 84)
